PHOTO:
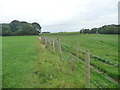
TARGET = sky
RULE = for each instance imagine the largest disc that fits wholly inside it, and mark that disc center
(61, 15)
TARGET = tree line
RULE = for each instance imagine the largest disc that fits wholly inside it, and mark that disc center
(106, 29)
(17, 28)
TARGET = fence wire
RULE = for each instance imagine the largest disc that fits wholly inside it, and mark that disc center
(83, 52)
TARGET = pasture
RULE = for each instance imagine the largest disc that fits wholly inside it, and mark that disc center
(18, 59)
(27, 63)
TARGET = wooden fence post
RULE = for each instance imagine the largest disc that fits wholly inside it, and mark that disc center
(41, 39)
(53, 46)
(46, 43)
(57, 45)
(44, 40)
(77, 51)
(60, 51)
(87, 72)
(71, 63)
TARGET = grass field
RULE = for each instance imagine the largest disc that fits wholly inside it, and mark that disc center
(103, 49)
(27, 64)
(19, 55)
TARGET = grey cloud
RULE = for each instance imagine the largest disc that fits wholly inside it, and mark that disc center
(61, 15)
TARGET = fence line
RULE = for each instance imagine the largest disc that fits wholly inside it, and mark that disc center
(89, 78)
(100, 73)
(56, 44)
(97, 57)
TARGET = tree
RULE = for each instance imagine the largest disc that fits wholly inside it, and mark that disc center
(6, 31)
(21, 28)
(14, 25)
(82, 30)
(106, 29)
(94, 30)
(86, 31)
(37, 27)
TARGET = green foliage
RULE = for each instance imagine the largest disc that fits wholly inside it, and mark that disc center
(37, 26)
(14, 25)
(6, 31)
(109, 29)
(20, 28)
(106, 29)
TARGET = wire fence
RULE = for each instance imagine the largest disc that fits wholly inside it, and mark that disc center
(56, 46)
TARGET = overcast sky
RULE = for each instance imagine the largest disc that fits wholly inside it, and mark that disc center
(61, 15)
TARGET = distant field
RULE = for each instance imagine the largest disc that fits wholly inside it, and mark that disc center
(26, 63)
(105, 46)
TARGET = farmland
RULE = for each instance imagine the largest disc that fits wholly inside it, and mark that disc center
(27, 63)
(103, 49)
(18, 57)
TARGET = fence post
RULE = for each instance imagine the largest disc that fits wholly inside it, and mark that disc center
(77, 51)
(60, 51)
(44, 40)
(53, 46)
(46, 43)
(41, 39)
(71, 63)
(87, 72)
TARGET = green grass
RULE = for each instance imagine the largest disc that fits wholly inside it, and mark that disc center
(55, 74)
(19, 55)
(27, 64)
(104, 46)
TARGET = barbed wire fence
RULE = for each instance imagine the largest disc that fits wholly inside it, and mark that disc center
(55, 46)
